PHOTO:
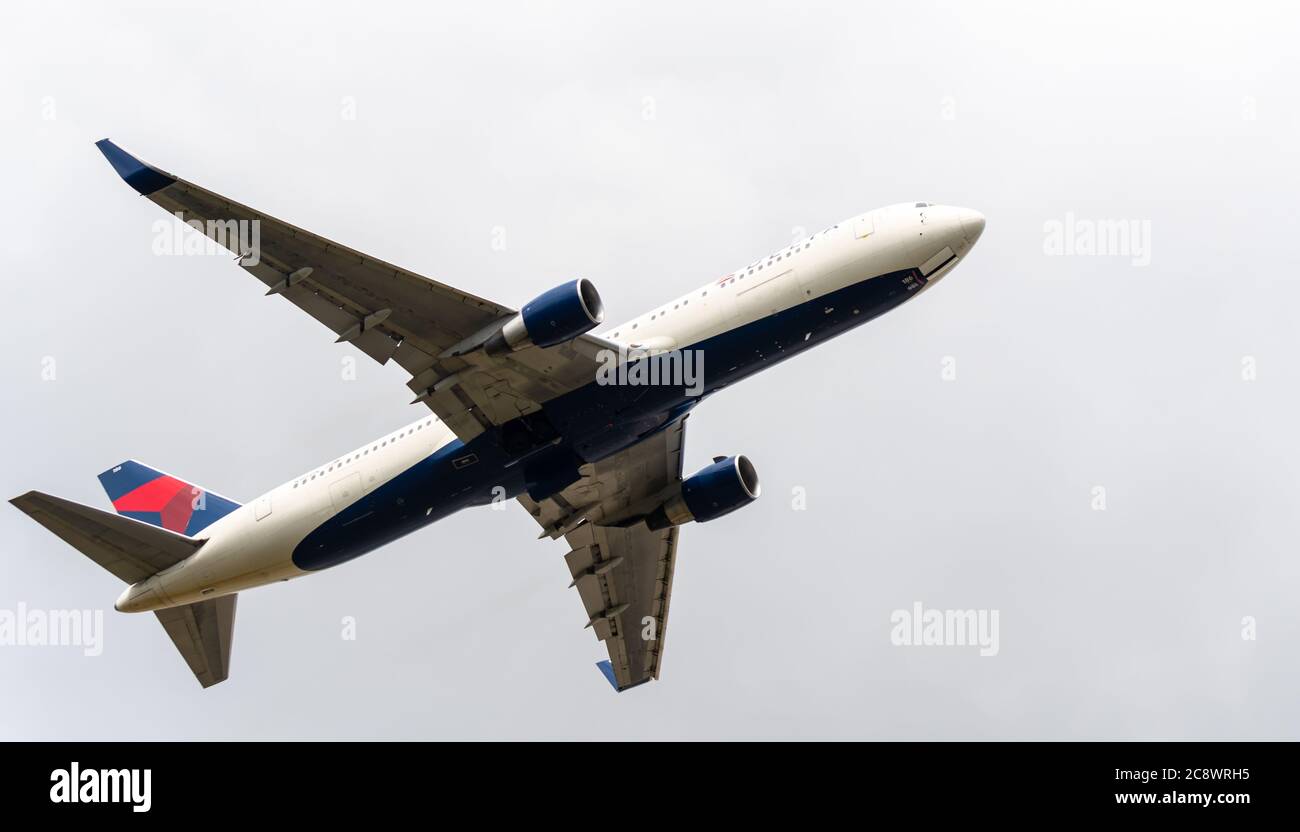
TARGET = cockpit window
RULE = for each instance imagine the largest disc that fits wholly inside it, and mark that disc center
(924, 204)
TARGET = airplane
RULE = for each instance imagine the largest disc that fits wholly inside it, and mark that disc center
(519, 409)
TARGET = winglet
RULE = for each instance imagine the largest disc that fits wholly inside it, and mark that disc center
(144, 178)
(608, 670)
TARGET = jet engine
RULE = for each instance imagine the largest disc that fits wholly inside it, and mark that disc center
(718, 489)
(553, 317)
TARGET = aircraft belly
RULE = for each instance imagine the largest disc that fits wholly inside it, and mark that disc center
(596, 421)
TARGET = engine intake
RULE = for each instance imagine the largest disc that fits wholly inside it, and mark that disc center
(721, 488)
(554, 317)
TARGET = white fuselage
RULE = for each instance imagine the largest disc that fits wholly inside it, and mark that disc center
(254, 544)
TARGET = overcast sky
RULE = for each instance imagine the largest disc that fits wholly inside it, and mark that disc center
(949, 453)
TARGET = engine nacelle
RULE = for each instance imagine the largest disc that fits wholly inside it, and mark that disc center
(721, 488)
(556, 316)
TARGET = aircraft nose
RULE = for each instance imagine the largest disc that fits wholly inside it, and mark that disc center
(972, 224)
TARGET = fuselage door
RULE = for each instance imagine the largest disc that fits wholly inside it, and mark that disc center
(262, 508)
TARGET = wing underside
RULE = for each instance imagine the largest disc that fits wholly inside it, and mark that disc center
(622, 570)
(386, 312)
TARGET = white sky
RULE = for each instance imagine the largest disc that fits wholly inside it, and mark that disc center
(1073, 372)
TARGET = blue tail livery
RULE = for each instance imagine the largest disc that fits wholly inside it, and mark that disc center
(142, 493)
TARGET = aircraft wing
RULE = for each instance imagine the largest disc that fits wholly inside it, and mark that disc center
(385, 311)
(623, 572)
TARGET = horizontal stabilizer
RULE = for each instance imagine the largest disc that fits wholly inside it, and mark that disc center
(128, 548)
(203, 632)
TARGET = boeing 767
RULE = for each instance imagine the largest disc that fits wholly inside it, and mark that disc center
(584, 428)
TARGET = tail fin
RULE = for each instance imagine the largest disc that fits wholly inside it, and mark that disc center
(143, 493)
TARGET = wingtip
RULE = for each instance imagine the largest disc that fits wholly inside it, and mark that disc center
(607, 669)
(144, 178)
